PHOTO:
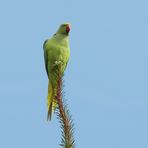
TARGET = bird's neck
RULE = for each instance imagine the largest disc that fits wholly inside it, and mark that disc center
(62, 39)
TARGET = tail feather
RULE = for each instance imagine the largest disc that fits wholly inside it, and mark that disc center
(49, 112)
(51, 102)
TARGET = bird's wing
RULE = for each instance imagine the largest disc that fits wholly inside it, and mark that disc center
(45, 56)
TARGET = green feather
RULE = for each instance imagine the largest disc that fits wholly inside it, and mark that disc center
(56, 52)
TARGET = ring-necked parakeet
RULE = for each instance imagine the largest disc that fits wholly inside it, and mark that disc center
(56, 52)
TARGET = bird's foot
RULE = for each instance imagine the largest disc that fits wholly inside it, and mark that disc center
(57, 62)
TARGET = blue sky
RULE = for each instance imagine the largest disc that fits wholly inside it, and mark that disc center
(106, 78)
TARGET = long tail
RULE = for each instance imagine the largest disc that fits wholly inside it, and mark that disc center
(51, 102)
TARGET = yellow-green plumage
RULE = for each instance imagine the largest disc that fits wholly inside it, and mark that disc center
(56, 52)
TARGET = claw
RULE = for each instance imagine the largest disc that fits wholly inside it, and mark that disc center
(57, 62)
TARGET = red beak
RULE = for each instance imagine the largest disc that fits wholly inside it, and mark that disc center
(67, 28)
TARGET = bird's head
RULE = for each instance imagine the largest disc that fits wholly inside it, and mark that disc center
(64, 29)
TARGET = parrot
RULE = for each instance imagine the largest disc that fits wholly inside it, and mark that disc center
(56, 53)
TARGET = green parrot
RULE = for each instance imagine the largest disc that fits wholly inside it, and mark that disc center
(56, 53)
